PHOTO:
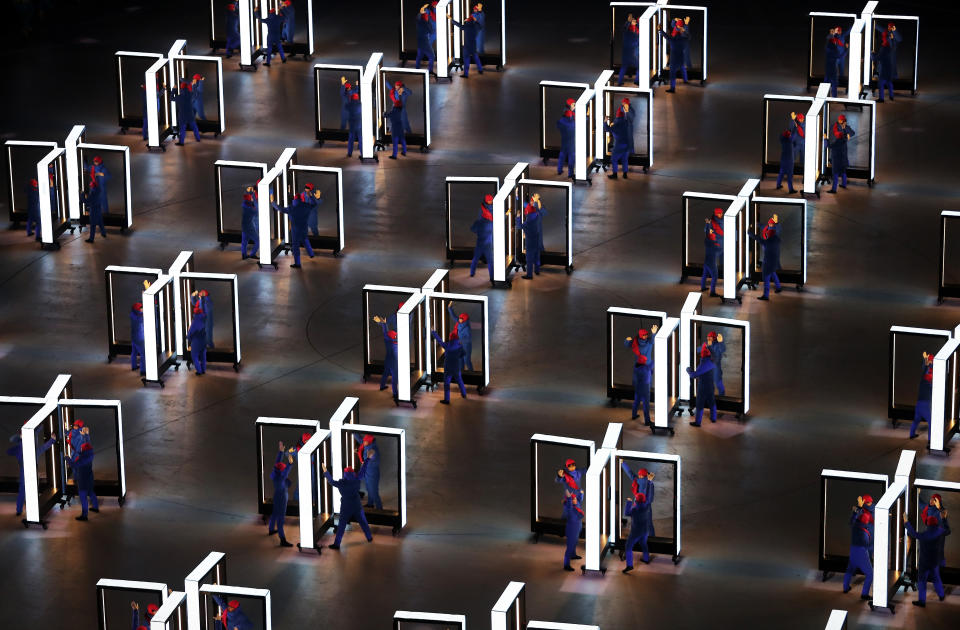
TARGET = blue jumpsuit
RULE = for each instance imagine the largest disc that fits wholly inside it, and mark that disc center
(452, 360)
(621, 143)
(274, 24)
(835, 50)
(639, 513)
(197, 338)
(644, 485)
(345, 95)
(466, 341)
(33, 209)
(198, 100)
(532, 229)
(350, 508)
(17, 451)
(83, 476)
(838, 155)
(288, 13)
(571, 480)
(717, 350)
(481, 19)
(356, 122)
(861, 544)
(629, 57)
(770, 239)
(233, 31)
(886, 58)
(402, 97)
(371, 472)
(425, 34)
(678, 42)
(389, 360)
(711, 251)
(629, 116)
(787, 147)
(397, 132)
(471, 31)
(573, 523)
(928, 565)
(299, 212)
(237, 619)
(186, 117)
(136, 342)
(924, 397)
(930, 510)
(313, 219)
(568, 144)
(249, 226)
(797, 131)
(641, 376)
(705, 397)
(483, 228)
(281, 485)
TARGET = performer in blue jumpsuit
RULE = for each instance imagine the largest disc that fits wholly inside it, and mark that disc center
(532, 227)
(481, 19)
(136, 339)
(628, 114)
(151, 611)
(620, 154)
(483, 228)
(299, 213)
(249, 222)
(186, 117)
(642, 482)
(930, 553)
(835, 50)
(17, 451)
(288, 13)
(231, 616)
(642, 348)
(769, 237)
(350, 508)
(400, 94)
(630, 52)
(684, 24)
(471, 32)
(717, 349)
(886, 57)
(787, 148)
(355, 117)
(705, 396)
(201, 299)
(679, 41)
(841, 133)
(425, 34)
(934, 509)
(233, 29)
(197, 92)
(347, 90)
(397, 133)
(274, 24)
(369, 453)
(82, 467)
(33, 208)
(463, 333)
(712, 246)
(638, 509)
(452, 360)
(798, 135)
(861, 544)
(77, 436)
(568, 139)
(197, 340)
(573, 523)
(280, 476)
(571, 478)
(100, 175)
(389, 355)
(924, 397)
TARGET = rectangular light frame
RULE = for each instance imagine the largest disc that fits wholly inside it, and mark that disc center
(335, 242)
(102, 488)
(945, 402)
(673, 545)
(425, 139)
(461, 253)
(441, 316)
(510, 610)
(833, 563)
(622, 391)
(598, 511)
(262, 594)
(216, 564)
(311, 505)
(564, 258)
(538, 525)
(106, 584)
(895, 410)
(740, 407)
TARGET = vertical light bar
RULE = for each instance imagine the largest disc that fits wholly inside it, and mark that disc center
(403, 346)
(74, 176)
(837, 620)
(150, 86)
(403, 478)
(246, 37)
(174, 65)
(368, 107)
(582, 106)
(704, 43)
(336, 456)
(305, 487)
(856, 58)
(867, 16)
(426, 104)
(443, 39)
(691, 307)
(180, 302)
(938, 409)
(661, 403)
(813, 145)
(731, 238)
(746, 366)
(28, 445)
(593, 508)
(646, 24)
(499, 237)
(881, 542)
(873, 137)
(263, 213)
(599, 111)
(43, 189)
(310, 46)
(503, 34)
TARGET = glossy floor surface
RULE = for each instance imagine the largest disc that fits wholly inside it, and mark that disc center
(751, 495)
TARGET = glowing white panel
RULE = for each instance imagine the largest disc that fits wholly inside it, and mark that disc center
(305, 486)
(581, 129)
(343, 415)
(647, 24)
(732, 242)
(884, 514)
(28, 442)
(691, 307)
(554, 439)
(677, 485)
(167, 613)
(872, 106)
(43, 185)
(241, 591)
(846, 474)
(404, 615)
(337, 439)
(605, 77)
(128, 193)
(661, 374)
(855, 57)
(150, 85)
(487, 325)
(443, 39)
(263, 214)
(404, 351)
(596, 499)
(73, 170)
(942, 383)
(191, 586)
(906, 466)
(499, 239)
(219, 62)
(181, 263)
(499, 614)
(867, 16)
(837, 620)
(370, 104)
(551, 625)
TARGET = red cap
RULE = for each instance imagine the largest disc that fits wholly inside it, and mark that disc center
(197, 77)
(488, 199)
(142, 628)
(97, 160)
(280, 466)
(570, 462)
(839, 30)
(184, 85)
(204, 293)
(398, 84)
(234, 603)
(308, 186)
(890, 25)
(935, 496)
(718, 212)
(643, 472)
(34, 183)
(867, 498)
(305, 436)
(841, 118)
(79, 424)
(271, 10)
(347, 85)
(137, 306)
(231, 7)
(393, 335)
(625, 101)
(354, 97)
(368, 439)
(571, 101)
(463, 317)
(643, 332)
(801, 117)
(641, 497)
(152, 609)
(704, 351)
(86, 447)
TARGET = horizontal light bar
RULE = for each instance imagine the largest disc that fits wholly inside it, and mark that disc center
(933, 484)
(404, 615)
(930, 332)
(241, 591)
(132, 584)
(288, 422)
(558, 439)
(508, 596)
(846, 474)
